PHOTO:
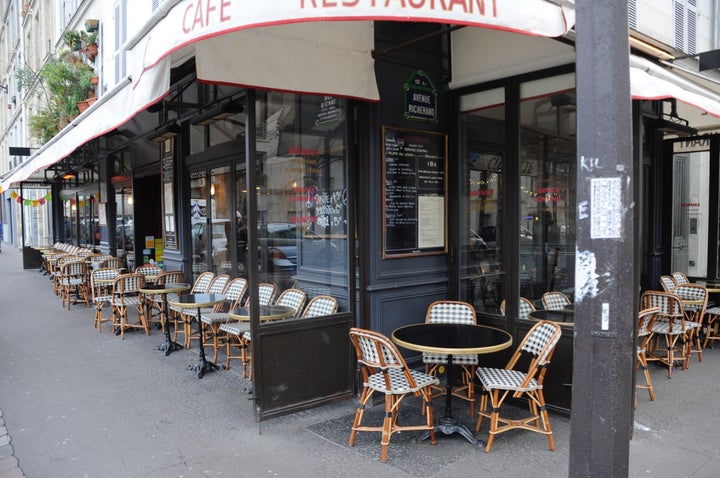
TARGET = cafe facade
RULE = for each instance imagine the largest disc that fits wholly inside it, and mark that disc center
(386, 162)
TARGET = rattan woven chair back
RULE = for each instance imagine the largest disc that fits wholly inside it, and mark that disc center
(294, 298)
(319, 306)
(680, 278)
(555, 300)
(667, 283)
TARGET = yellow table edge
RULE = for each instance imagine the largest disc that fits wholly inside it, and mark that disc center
(454, 351)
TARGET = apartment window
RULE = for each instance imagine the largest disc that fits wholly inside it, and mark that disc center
(685, 13)
(119, 54)
(632, 14)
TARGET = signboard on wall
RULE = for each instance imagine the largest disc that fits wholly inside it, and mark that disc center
(168, 195)
(414, 192)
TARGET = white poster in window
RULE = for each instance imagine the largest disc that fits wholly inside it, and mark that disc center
(431, 221)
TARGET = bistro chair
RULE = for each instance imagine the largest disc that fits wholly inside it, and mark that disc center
(670, 325)
(72, 278)
(126, 294)
(267, 292)
(234, 294)
(149, 271)
(217, 286)
(667, 283)
(384, 371)
(320, 306)
(100, 293)
(646, 322)
(712, 325)
(499, 384)
(525, 306)
(694, 298)
(294, 298)
(113, 262)
(452, 312)
(680, 278)
(555, 300)
(200, 286)
(154, 308)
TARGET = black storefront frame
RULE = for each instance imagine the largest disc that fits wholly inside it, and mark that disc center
(323, 342)
(665, 232)
(557, 387)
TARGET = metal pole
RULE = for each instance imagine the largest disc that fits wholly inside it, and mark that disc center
(605, 292)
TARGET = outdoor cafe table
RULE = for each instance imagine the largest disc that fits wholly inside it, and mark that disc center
(267, 313)
(452, 339)
(198, 301)
(565, 317)
(163, 290)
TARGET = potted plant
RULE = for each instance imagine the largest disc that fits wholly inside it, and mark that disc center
(91, 46)
(91, 25)
(73, 39)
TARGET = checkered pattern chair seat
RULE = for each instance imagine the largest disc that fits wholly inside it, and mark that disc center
(384, 370)
(538, 345)
(399, 383)
(235, 328)
(555, 300)
(499, 378)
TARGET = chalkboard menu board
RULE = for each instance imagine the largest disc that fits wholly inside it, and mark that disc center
(414, 199)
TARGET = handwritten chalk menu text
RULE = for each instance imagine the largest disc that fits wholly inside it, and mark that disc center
(414, 192)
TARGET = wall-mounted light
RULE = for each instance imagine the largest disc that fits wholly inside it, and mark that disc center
(130, 200)
(219, 113)
(164, 132)
(212, 189)
(68, 175)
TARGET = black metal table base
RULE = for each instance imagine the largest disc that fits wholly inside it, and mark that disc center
(202, 367)
(169, 346)
(450, 425)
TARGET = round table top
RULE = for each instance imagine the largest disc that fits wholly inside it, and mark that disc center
(194, 301)
(452, 338)
(163, 288)
(267, 312)
(562, 316)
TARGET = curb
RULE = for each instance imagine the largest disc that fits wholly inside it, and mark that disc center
(9, 467)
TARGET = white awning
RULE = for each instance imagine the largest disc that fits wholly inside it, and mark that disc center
(113, 109)
(303, 46)
(650, 81)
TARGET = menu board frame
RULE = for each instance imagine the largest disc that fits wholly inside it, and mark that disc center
(167, 170)
(414, 192)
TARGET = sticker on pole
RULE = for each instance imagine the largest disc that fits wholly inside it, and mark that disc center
(606, 204)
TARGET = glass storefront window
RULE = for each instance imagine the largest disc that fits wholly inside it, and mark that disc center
(302, 194)
(482, 133)
(690, 213)
(547, 187)
(125, 227)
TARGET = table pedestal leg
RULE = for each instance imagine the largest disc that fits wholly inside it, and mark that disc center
(448, 424)
(203, 364)
(168, 345)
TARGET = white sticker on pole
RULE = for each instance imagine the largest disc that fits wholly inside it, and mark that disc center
(606, 208)
(605, 318)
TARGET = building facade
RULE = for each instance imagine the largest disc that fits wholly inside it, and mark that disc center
(386, 163)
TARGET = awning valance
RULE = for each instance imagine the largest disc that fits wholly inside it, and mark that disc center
(650, 81)
(113, 109)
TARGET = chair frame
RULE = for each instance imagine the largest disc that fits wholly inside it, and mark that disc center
(384, 370)
(498, 385)
(101, 294)
(646, 322)
(125, 294)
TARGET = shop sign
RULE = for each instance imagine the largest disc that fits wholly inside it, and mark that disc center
(330, 112)
(420, 98)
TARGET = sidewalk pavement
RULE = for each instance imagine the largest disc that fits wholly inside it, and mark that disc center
(76, 403)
